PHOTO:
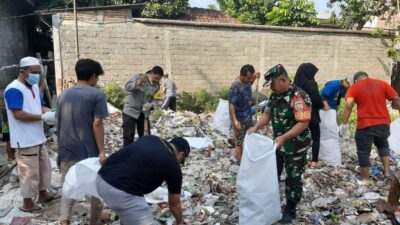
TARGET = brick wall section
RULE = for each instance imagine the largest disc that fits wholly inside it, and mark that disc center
(210, 56)
(14, 41)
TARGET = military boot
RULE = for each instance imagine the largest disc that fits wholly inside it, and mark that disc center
(289, 213)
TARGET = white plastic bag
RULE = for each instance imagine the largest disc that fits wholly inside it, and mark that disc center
(329, 150)
(80, 180)
(49, 118)
(394, 138)
(221, 120)
(257, 182)
(199, 142)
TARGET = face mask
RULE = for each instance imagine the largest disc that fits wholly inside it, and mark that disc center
(33, 79)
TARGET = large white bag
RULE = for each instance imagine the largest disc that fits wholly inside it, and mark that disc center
(80, 180)
(329, 150)
(257, 182)
(394, 138)
(328, 125)
(221, 120)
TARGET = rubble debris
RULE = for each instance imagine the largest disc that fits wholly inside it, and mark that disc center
(332, 194)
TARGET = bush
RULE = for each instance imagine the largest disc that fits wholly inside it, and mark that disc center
(198, 102)
(377, 32)
(115, 95)
(186, 102)
(156, 114)
(224, 93)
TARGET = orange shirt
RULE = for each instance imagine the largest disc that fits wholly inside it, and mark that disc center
(370, 96)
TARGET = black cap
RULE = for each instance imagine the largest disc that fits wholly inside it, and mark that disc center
(274, 73)
(157, 70)
(358, 75)
(181, 146)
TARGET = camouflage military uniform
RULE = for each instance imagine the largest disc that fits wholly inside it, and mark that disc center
(286, 110)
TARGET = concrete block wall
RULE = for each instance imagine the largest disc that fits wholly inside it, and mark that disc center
(210, 56)
(14, 41)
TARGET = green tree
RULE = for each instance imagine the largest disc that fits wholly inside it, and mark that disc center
(247, 11)
(296, 13)
(166, 9)
(275, 12)
(50, 4)
(355, 14)
(212, 6)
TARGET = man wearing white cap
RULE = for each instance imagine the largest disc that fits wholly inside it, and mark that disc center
(25, 114)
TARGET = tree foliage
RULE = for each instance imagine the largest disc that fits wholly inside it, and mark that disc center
(275, 12)
(247, 11)
(355, 14)
(212, 6)
(154, 8)
(50, 4)
(296, 13)
(166, 9)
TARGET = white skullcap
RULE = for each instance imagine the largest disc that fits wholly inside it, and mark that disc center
(29, 61)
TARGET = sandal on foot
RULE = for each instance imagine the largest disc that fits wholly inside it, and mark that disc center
(35, 209)
(51, 198)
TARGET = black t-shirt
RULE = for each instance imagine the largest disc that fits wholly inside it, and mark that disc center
(143, 166)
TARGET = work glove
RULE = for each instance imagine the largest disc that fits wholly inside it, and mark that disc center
(343, 130)
(49, 118)
(147, 107)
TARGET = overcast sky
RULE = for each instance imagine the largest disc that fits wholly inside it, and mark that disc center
(319, 4)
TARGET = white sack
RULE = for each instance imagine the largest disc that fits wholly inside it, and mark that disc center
(329, 150)
(394, 138)
(221, 120)
(80, 180)
(257, 182)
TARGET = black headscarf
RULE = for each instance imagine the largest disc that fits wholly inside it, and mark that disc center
(305, 73)
(305, 80)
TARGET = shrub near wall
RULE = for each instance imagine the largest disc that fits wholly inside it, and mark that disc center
(115, 95)
(201, 101)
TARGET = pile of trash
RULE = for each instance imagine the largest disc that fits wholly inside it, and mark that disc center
(336, 195)
(209, 174)
(332, 194)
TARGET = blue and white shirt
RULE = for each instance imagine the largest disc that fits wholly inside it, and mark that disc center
(19, 96)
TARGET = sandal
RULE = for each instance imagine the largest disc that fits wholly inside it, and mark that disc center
(33, 210)
(51, 198)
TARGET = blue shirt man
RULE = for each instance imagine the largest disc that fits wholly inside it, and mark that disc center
(333, 92)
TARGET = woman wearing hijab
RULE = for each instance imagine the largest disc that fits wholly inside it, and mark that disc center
(305, 80)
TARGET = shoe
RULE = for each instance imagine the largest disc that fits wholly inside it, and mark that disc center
(289, 214)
